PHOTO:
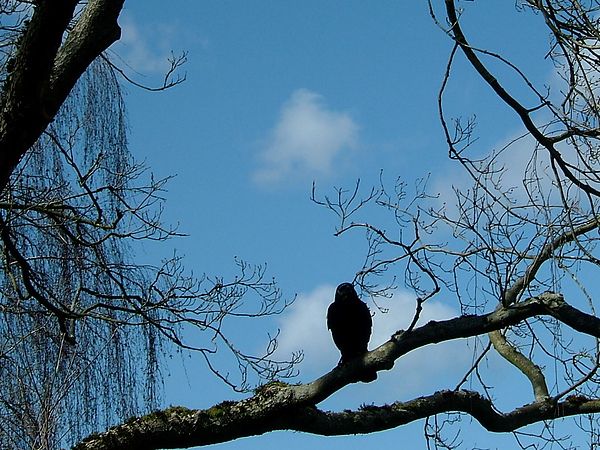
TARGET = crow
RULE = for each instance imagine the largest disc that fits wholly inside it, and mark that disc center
(349, 320)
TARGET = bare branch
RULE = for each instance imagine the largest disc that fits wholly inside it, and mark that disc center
(277, 406)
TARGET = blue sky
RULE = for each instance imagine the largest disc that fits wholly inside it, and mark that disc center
(281, 94)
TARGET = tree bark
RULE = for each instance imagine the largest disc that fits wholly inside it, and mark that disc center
(46, 67)
(278, 406)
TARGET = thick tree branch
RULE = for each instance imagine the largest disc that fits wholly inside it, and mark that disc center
(95, 30)
(45, 71)
(525, 365)
(378, 418)
(277, 406)
(237, 419)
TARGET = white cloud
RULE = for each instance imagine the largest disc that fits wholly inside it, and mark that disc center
(306, 141)
(146, 49)
(303, 327)
(426, 369)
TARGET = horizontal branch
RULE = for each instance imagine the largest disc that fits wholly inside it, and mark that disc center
(378, 418)
(180, 427)
(277, 406)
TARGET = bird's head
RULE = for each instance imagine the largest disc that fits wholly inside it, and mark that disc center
(344, 290)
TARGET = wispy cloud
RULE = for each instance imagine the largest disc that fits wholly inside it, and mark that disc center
(517, 174)
(306, 141)
(145, 49)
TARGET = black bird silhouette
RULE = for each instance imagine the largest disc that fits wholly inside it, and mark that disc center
(349, 320)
